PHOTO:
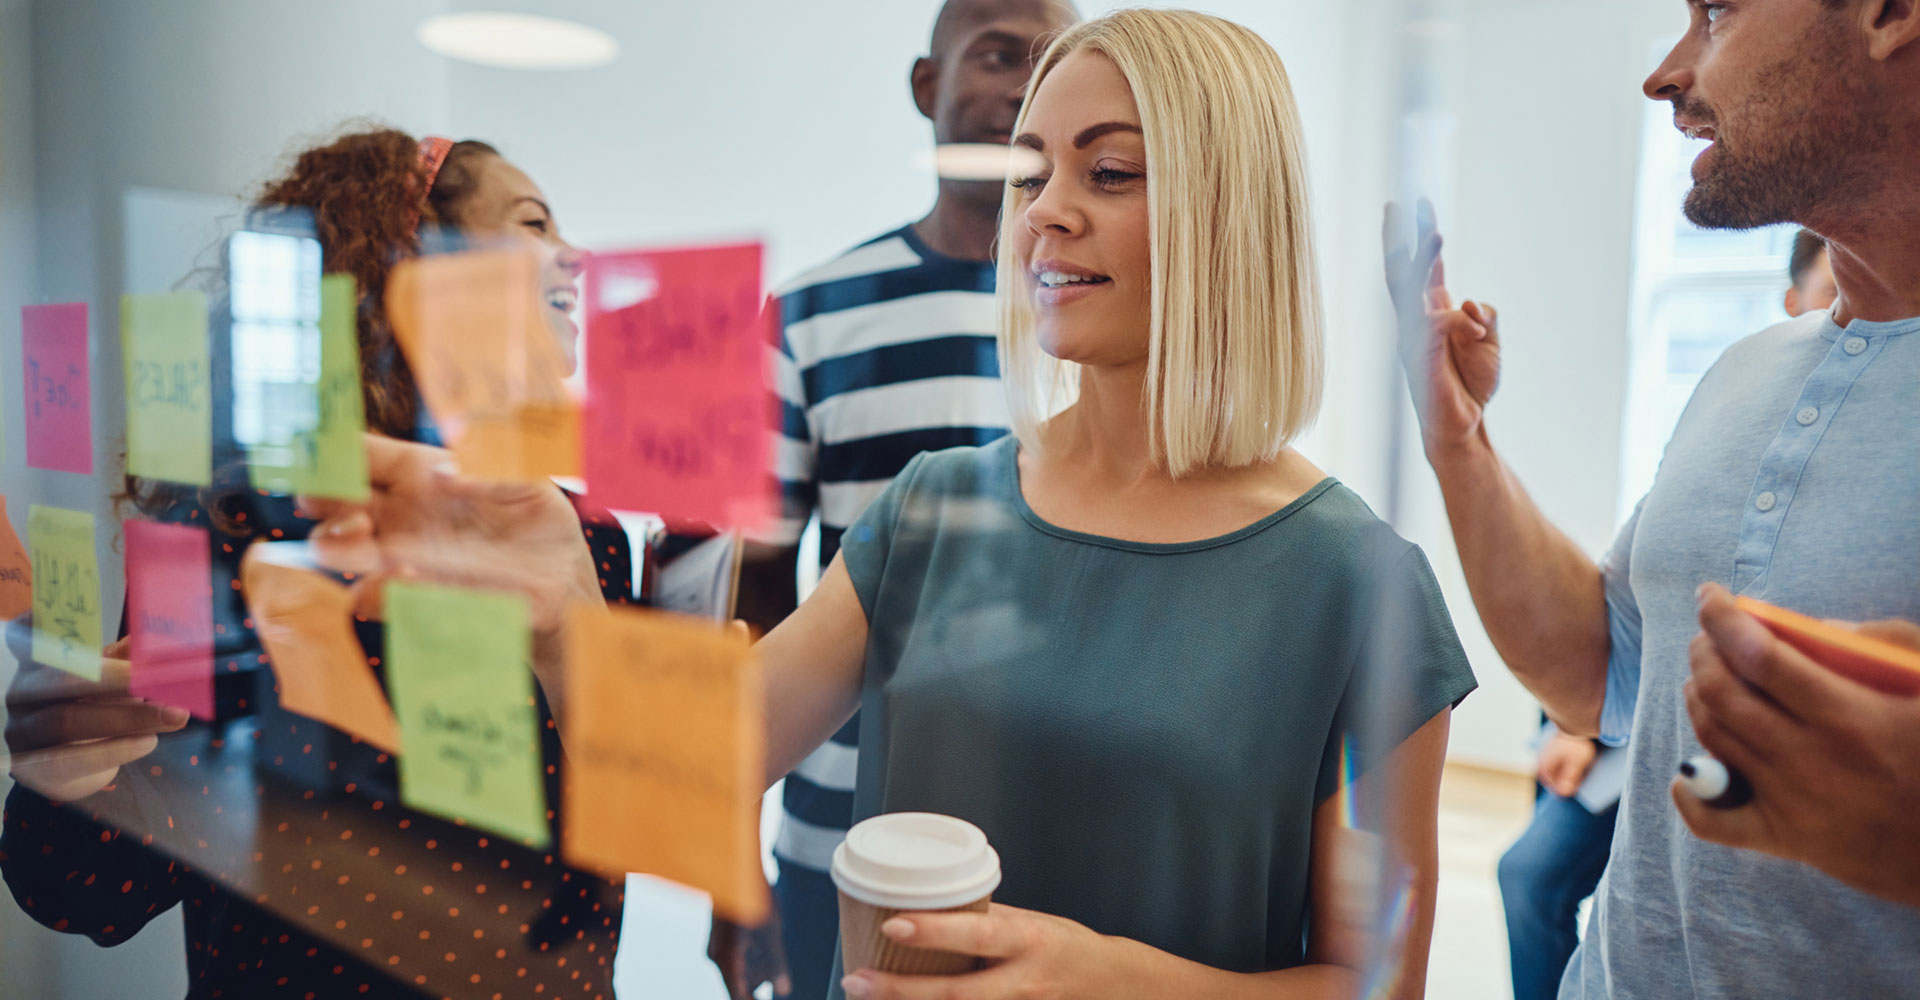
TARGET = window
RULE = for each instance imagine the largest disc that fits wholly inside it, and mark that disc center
(275, 288)
(1696, 292)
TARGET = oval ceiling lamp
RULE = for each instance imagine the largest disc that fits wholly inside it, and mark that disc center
(517, 41)
(979, 161)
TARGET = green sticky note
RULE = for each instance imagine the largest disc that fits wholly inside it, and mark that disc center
(327, 458)
(66, 590)
(459, 678)
(163, 339)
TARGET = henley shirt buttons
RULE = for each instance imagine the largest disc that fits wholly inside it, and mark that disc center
(1855, 345)
(1764, 501)
(1807, 415)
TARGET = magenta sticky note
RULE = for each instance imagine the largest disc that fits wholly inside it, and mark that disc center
(170, 615)
(53, 340)
(678, 411)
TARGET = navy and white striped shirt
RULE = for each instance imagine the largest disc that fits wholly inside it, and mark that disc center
(885, 352)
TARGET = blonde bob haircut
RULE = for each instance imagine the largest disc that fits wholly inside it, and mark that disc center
(1234, 363)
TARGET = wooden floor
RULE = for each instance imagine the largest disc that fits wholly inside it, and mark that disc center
(1481, 812)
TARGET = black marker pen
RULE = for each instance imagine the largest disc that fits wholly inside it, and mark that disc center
(1714, 783)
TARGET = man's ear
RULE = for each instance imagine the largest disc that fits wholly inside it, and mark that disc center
(925, 80)
(1792, 302)
(1890, 26)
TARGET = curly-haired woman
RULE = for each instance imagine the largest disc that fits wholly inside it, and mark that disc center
(370, 194)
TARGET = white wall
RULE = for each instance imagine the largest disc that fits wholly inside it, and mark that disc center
(1539, 221)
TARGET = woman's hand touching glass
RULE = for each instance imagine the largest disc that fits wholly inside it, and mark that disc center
(67, 736)
(425, 522)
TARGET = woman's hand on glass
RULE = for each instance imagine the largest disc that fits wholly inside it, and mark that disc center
(67, 736)
(1029, 955)
(426, 522)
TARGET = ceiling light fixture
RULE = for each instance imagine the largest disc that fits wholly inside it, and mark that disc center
(517, 41)
(979, 161)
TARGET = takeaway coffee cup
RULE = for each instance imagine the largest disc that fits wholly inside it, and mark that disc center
(909, 863)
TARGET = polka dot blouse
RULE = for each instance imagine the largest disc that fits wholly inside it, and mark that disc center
(77, 869)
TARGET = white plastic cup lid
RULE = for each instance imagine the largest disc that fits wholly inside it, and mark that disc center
(916, 861)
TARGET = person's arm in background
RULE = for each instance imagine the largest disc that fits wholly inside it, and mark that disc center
(769, 570)
(1542, 599)
(769, 585)
(69, 739)
(769, 594)
(1564, 762)
(443, 528)
(1834, 765)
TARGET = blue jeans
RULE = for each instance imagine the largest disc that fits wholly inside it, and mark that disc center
(1554, 865)
(809, 926)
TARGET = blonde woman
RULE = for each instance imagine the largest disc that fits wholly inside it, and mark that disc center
(1138, 642)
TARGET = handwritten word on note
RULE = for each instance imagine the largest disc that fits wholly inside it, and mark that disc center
(16, 571)
(677, 404)
(66, 590)
(59, 397)
(666, 754)
(305, 621)
(458, 668)
(170, 615)
(488, 365)
(328, 458)
(169, 398)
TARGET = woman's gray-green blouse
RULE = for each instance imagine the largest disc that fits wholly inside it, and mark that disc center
(1142, 730)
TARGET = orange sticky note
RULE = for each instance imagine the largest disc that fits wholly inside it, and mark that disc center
(16, 571)
(488, 367)
(530, 444)
(666, 754)
(1880, 665)
(305, 621)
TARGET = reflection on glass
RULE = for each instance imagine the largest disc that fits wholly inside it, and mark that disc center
(275, 300)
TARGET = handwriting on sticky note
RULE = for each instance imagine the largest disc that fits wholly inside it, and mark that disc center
(170, 615)
(458, 668)
(305, 621)
(66, 590)
(666, 753)
(530, 444)
(472, 328)
(16, 571)
(328, 458)
(677, 405)
(59, 391)
(169, 397)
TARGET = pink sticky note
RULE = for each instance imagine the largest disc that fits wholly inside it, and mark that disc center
(170, 613)
(677, 411)
(59, 396)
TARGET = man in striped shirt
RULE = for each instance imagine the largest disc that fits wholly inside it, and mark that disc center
(885, 352)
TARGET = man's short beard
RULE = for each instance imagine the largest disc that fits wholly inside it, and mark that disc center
(1792, 158)
(1775, 187)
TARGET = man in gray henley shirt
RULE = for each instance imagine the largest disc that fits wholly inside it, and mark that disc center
(1792, 477)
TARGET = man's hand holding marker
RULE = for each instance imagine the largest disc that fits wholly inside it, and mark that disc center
(1809, 762)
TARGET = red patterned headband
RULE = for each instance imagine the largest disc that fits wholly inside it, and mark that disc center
(433, 156)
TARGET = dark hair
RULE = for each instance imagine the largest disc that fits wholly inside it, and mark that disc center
(1807, 248)
(368, 194)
